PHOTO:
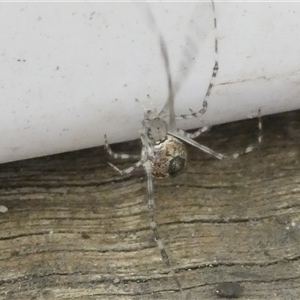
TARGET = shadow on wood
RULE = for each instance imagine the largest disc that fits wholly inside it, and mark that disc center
(75, 229)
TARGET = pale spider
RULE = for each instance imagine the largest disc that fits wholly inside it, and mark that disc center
(163, 153)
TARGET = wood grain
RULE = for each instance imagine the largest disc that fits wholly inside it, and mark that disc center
(75, 229)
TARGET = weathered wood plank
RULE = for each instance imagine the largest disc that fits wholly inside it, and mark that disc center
(77, 230)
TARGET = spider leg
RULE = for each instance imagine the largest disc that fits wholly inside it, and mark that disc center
(205, 149)
(213, 77)
(118, 155)
(153, 225)
(128, 170)
(143, 159)
(203, 110)
(259, 139)
(194, 134)
(182, 135)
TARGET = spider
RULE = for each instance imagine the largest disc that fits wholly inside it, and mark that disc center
(163, 152)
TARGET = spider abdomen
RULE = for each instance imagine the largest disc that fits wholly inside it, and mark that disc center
(171, 157)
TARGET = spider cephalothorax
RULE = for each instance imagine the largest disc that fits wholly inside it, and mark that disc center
(155, 130)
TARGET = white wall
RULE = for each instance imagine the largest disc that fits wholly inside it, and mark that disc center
(70, 72)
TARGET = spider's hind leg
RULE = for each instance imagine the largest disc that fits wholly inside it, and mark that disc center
(123, 156)
(180, 134)
(151, 206)
(118, 155)
(128, 170)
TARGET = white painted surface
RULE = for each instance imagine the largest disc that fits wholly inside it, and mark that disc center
(70, 72)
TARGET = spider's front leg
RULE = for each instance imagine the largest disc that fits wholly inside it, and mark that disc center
(203, 110)
(196, 133)
(215, 70)
(118, 155)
